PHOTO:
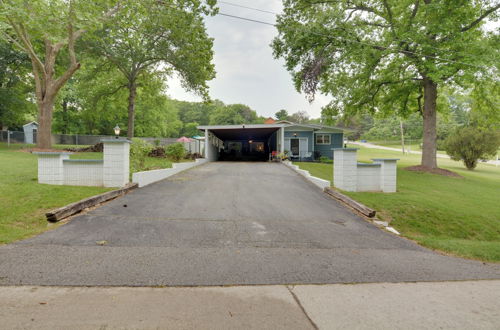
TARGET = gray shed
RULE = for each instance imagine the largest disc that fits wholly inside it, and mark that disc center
(30, 130)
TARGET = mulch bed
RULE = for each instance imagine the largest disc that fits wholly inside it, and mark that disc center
(158, 152)
(438, 171)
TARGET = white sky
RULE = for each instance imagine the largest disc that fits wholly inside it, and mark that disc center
(246, 70)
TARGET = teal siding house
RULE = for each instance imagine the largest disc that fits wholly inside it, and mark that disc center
(310, 142)
(258, 142)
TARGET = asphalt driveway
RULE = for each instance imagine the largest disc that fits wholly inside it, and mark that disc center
(223, 224)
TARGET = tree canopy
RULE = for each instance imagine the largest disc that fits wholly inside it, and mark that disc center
(150, 37)
(43, 29)
(14, 86)
(387, 56)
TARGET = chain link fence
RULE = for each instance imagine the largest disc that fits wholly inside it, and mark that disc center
(18, 137)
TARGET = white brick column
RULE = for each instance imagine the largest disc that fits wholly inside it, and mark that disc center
(345, 168)
(388, 173)
(50, 167)
(116, 171)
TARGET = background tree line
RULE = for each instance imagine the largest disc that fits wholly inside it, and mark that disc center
(96, 99)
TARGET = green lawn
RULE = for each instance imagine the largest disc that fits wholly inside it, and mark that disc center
(457, 215)
(23, 202)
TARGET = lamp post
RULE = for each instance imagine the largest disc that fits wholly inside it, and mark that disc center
(117, 131)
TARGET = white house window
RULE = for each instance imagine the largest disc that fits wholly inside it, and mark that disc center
(323, 139)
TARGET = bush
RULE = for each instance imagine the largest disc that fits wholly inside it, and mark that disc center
(139, 150)
(176, 151)
(470, 144)
(325, 160)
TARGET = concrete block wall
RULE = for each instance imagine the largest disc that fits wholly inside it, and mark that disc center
(56, 168)
(345, 170)
(368, 177)
(148, 177)
(349, 175)
(388, 172)
(116, 170)
(50, 167)
(83, 172)
(322, 184)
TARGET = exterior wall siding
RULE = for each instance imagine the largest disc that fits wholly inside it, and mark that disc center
(301, 134)
(337, 141)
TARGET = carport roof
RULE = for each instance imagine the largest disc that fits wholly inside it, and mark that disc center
(214, 127)
(277, 125)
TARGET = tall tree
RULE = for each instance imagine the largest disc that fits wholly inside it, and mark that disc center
(14, 86)
(43, 29)
(281, 115)
(158, 37)
(387, 56)
(300, 117)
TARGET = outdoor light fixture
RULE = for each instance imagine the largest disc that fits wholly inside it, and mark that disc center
(295, 134)
(117, 131)
(251, 141)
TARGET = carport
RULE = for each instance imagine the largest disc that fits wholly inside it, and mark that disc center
(242, 142)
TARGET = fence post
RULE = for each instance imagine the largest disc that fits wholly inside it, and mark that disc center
(8, 138)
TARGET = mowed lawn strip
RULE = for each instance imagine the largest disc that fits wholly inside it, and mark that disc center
(456, 215)
(23, 202)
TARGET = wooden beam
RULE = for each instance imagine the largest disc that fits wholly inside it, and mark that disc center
(363, 209)
(70, 209)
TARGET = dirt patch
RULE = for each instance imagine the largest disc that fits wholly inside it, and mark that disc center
(438, 171)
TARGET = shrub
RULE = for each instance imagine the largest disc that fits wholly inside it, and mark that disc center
(176, 151)
(325, 160)
(469, 144)
(139, 150)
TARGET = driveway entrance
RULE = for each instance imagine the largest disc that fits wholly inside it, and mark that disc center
(226, 223)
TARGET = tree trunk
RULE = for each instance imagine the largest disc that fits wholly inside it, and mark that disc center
(132, 87)
(44, 136)
(65, 128)
(430, 120)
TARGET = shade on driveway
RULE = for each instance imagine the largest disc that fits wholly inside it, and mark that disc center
(226, 223)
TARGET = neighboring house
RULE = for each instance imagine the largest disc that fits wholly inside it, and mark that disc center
(30, 130)
(258, 141)
(269, 121)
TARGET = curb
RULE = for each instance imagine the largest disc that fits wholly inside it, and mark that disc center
(320, 183)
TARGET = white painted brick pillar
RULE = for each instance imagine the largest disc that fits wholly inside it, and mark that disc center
(345, 168)
(116, 171)
(388, 173)
(50, 167)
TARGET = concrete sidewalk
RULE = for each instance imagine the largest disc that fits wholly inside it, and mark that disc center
(430, 305)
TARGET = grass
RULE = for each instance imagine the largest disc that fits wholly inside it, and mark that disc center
(460, 216)
(24, 202)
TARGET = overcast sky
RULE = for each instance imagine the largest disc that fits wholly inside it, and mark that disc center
(246, 70)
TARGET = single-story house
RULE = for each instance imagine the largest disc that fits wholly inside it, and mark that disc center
(258, 141)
